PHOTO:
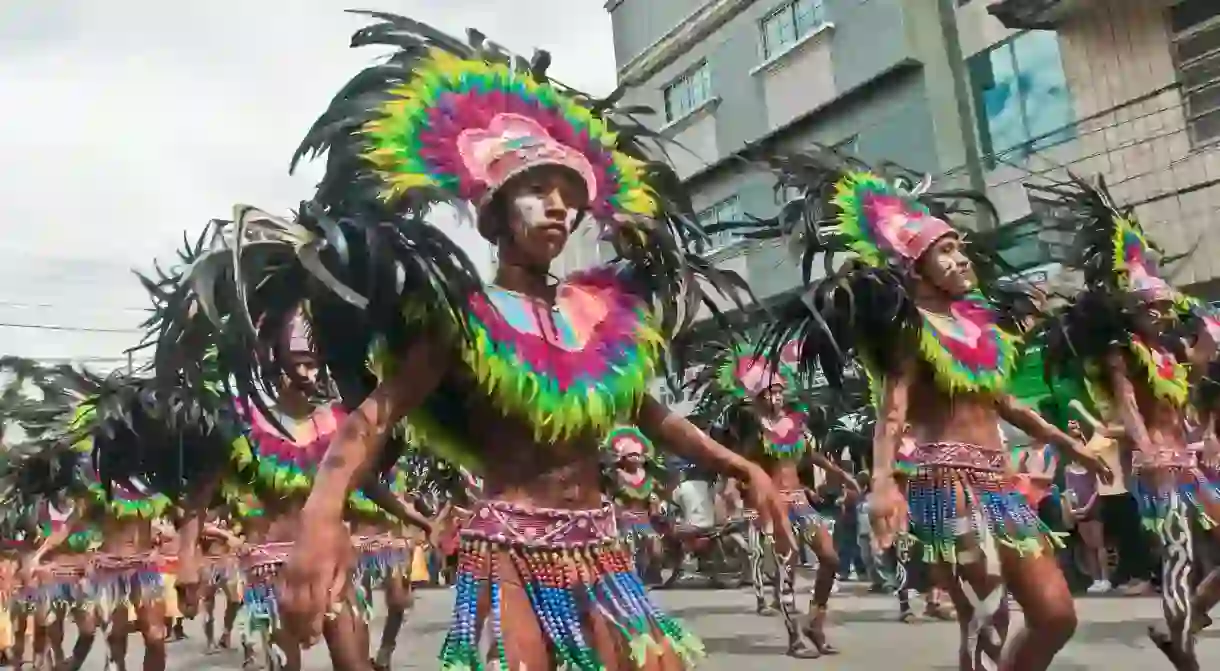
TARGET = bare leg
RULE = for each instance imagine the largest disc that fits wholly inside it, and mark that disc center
(209, 619)
(756, 549)
(151, 620)
(346, 637)
(1177, 641)
(116, 638)
(783, 592)
(824, 581)
(398, 601)
(232, 608)
(1208, 593)
(1039, 587)
(86, 632)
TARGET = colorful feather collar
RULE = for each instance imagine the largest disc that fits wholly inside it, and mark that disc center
(634, 486)
(287, 466)
(966, 348)
(1166, 377)
(784, 438)
(575, 368)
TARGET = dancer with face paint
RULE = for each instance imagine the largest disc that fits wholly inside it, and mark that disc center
(1122, 333)
(633, 488)
(522, 378)
(766, 419)
(930, 338)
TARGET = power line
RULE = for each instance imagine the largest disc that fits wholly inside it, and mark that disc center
(73, 329)
(60, 306)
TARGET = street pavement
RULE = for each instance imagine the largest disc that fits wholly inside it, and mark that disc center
(1111, 635)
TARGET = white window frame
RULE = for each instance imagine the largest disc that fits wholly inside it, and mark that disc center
(712, 214)
(1193, 94)
(688, 92)
(787, 18)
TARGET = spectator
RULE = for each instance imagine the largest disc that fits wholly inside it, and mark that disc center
(864, 534)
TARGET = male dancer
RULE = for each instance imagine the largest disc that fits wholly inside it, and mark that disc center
(767, 423)
(1123, 334)
(522, 377)
(913, 312)
(632, 487)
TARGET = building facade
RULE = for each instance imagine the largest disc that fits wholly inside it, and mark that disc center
(728, 75)
(1124, 89)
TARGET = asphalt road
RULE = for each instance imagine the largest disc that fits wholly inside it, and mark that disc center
(1111, 635)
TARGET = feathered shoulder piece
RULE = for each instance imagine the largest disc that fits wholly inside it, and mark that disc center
(885, 220)
(1122, 273)
(148, 445)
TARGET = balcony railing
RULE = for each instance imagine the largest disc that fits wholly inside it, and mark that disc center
(1032, 14)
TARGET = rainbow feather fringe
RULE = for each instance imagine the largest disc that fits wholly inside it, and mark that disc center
(413, 144)
(560, 392)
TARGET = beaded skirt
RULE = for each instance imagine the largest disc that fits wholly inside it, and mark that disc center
(260, 564)
(573, 568)
(62, 582)
(381, 557)
(122, 580)
(956, 490)
(1158, 486)
(635, 525)
(804, 517)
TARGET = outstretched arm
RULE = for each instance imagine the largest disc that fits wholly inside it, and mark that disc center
(891, 422)
(379, 493)
(1124, 400)
(689, 442)
(826, 464)
(365, 430)
(54, 540)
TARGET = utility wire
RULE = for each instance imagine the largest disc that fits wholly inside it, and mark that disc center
(70, 329)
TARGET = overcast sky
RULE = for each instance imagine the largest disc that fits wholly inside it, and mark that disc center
(127, 122)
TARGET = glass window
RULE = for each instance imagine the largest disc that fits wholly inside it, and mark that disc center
(728, 209)
(1021, 95)
(688, 92)
(789, 23)
(1196, 38)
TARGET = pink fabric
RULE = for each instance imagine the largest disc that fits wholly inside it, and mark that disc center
(902, 229)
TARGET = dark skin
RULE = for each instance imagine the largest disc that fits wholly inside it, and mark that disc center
(910, 395)
(785, 473)
(1154, 425)
(560, 474)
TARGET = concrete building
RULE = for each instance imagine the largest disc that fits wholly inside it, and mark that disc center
(1126, 89)
(730, 74)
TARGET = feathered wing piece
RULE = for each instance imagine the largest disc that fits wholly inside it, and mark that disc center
(1121, 269)
(146, 440)
(883, 222)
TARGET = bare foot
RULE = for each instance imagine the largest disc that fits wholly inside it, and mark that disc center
(1182, 660)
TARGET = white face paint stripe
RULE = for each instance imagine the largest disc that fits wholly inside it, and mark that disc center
(533, 213)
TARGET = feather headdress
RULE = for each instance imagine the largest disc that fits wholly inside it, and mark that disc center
(884, 220)
(1122, 272)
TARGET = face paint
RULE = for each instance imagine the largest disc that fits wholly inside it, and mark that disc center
(532, 210)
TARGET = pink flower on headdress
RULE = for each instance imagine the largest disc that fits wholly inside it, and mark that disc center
(510, 145)
(790, 355)
(756, 376)
(906, 231)
(626, 445)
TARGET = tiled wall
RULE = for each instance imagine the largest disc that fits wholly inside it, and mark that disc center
(1115, 52)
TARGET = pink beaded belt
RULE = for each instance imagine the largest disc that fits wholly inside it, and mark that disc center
(960, 455)
(508, 523)
(633, 517)
(262, 562)
(1165, 458)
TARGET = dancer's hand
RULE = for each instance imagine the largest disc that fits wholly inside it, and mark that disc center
(314, 576)
(887, 512)
(772, 508)
(1096, 465)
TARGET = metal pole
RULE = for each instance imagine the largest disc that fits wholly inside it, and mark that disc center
(962, 93)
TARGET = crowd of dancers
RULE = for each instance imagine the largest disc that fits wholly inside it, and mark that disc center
(313, 375)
